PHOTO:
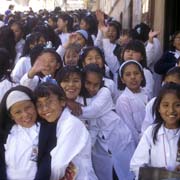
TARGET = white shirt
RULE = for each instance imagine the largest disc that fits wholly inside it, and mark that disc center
(149, 119)
(106, 127)
(149, 88)
(131, 108)
(22, 67)
(21, 152)
(73, 145)
(161, 154)
(5, 85)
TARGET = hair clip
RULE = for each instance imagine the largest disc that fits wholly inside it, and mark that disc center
(49, 79)
(138, 30)
(48, 45)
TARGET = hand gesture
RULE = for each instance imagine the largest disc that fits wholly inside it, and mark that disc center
(70, 173)
(152, 34)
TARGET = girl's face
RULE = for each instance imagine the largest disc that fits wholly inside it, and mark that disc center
(169, 110)
(50, 64)
(17, 32)
(172, 78)
(84, 25)
(42, 40)
(132, 77)
(131, 54)
(112, 33)
(72, 86)
(93, 57)
(51, 23)
(71, 57)
(124, 39)
(61, 24)
(24, 113)
(176, 42)
(92, 83)
(50, 108)
(80, 40)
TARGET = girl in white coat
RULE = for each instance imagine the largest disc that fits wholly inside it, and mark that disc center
(135, 49)
(112, 140)
(130, 105)
(73, 139)
(160, 143)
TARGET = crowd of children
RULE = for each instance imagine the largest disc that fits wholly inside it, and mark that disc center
(83, 99)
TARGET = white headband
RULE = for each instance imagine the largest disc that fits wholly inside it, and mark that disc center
(16, 96)
(126, 62)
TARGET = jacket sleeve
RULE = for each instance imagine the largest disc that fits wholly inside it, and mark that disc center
(166, 62)
(141, 156)
(99, 105)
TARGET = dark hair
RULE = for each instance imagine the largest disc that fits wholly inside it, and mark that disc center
(143, 31)
(137, 46)
(121, 85)
(6, 121)
(91, 68)
(65, 73)
(84, 52)
(32, 38)
(117, 26)
(48, 33)
(167, 88)
(7, 40)
(69, 19)
(92, 22)
(173, 39)
(175, 71)
(5, 65)
(46, 89)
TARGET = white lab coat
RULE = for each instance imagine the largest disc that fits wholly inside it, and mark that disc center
(156, 155)
(111, 60)
(21, 67)
(131, 108)
(149, 88)
(110, 84)
(5, 85)
(64, 37)
(111, 133)
(153, 54)
(73, 145)
(19, 49)
(30, 82)
(149, 118)
(21, 164)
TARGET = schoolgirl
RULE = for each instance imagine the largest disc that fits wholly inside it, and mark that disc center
(24, 63)
(17, 28)
(173, 75)
(135, 50)
(94, 55)
(71, 56)
(45, 63)
(88, 22)
(107, 40)
(159, 145)
(25, 142)
(80, 38)
(73, 140)
(130, 105)
(5, 79)
(169, 58)
(106, 128)
(64, 26)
